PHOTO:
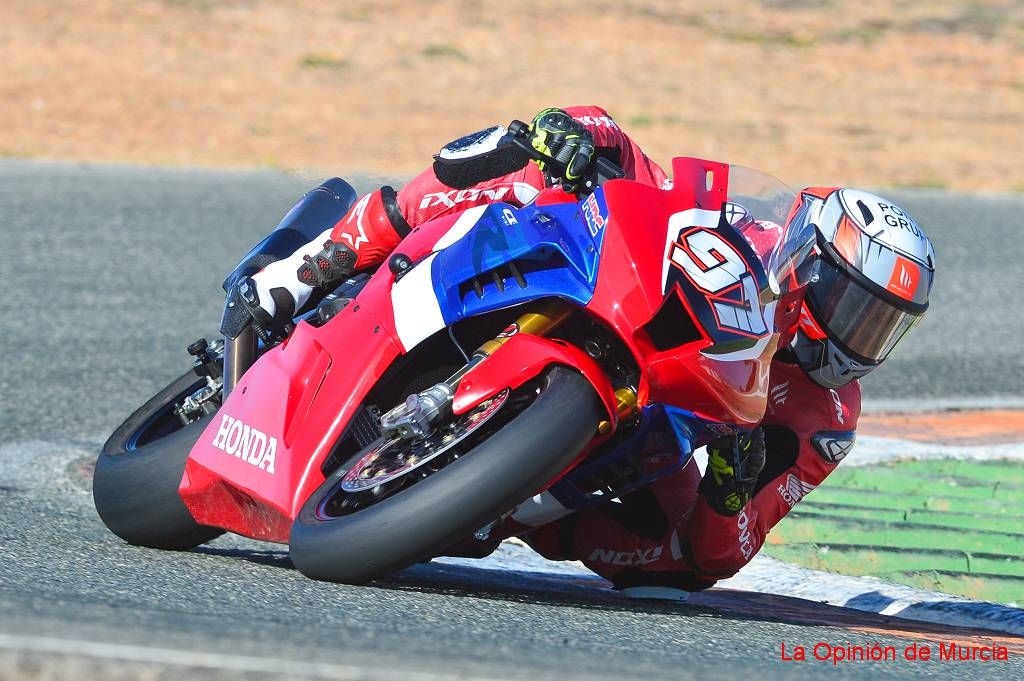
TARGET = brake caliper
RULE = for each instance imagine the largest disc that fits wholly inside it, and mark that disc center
(416, 417)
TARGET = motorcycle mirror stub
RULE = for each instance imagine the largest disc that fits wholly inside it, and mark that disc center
(399, 264)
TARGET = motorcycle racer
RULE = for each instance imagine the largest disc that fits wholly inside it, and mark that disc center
(474, 170)
(870, 285)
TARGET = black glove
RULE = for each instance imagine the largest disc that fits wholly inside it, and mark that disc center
(555, 133)
(734, 462)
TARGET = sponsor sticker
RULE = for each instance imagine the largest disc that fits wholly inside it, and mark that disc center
(246, 443)
(520, 191)
(598, 121)
(626, 558)
(594, 215)
(746, 545)
(906, 276)
(794, 489)
(778, 395)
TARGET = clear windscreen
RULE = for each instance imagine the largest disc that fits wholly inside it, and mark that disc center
(781, 248)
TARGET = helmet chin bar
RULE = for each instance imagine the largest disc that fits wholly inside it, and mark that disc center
(825, 363)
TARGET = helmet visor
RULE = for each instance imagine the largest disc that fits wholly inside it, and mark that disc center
(857, 319)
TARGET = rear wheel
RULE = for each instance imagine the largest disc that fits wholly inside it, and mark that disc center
(135, 487)
(398, 503)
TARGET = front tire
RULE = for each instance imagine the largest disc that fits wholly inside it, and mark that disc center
(425, 518)
(135, 486)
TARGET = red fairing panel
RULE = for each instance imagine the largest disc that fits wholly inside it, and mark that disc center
(277, 426)
(630, 292)
(521, 358)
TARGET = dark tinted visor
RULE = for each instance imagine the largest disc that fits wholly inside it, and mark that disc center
(863, 323)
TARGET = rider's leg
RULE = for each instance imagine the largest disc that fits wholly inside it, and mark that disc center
(364, 237)
(637, 542)
(808, 430)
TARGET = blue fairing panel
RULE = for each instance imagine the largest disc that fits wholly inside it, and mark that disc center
(645, 456)
(692, 431)
(554, 249)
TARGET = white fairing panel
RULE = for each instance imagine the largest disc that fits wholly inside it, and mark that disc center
(460, 227)
(417, 312)
(694, 217)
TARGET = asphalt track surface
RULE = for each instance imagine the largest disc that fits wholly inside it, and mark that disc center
(109, 272)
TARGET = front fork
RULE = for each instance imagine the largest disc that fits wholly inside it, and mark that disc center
(420, 412)
(239, 355)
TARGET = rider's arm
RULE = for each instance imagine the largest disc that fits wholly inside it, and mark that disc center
(613, 143)
(472, 171)
(809, 430)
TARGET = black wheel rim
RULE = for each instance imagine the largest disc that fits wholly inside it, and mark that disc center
(163, 421)
(338, 502)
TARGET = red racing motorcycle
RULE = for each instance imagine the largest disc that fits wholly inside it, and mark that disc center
(502, 355)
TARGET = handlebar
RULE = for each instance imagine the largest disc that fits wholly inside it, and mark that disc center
(602, 170)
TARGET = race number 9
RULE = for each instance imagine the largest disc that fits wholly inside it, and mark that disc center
(715, 267)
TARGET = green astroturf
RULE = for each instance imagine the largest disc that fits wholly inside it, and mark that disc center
(946, 525)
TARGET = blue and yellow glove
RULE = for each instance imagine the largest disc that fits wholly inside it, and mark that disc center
(555, 133)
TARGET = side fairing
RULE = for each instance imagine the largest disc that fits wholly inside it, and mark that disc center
(671, 249)
(506, 257)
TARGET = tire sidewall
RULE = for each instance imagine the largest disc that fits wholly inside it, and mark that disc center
(136, 492)
(117, 443)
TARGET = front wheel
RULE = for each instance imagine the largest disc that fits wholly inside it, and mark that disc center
(135, 487)
(492, 459)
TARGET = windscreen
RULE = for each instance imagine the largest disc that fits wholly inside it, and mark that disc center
(767, 201)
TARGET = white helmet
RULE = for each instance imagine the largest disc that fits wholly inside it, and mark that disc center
(869, 286)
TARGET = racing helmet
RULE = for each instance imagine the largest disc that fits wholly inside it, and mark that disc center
(868, 287)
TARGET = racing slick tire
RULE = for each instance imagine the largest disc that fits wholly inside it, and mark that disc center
(418, 522)
(139, 469)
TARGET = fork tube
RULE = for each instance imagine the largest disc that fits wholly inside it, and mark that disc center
(239, 354)
(537, 323)
(546, 317)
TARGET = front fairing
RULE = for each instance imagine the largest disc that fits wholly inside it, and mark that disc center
(699, 298)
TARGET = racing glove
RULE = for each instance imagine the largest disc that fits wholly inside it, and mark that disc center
(555, 133)
(734, 463)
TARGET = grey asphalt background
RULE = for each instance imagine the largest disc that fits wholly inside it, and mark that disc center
(108, 272)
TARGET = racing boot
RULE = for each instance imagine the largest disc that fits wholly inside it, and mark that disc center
(273, 295)
(734, 463)
(367, 234)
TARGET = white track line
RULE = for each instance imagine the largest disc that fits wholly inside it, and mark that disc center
(765, 574)
(286, 668)
(952, 403)
(870, 450)
(870, 594)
